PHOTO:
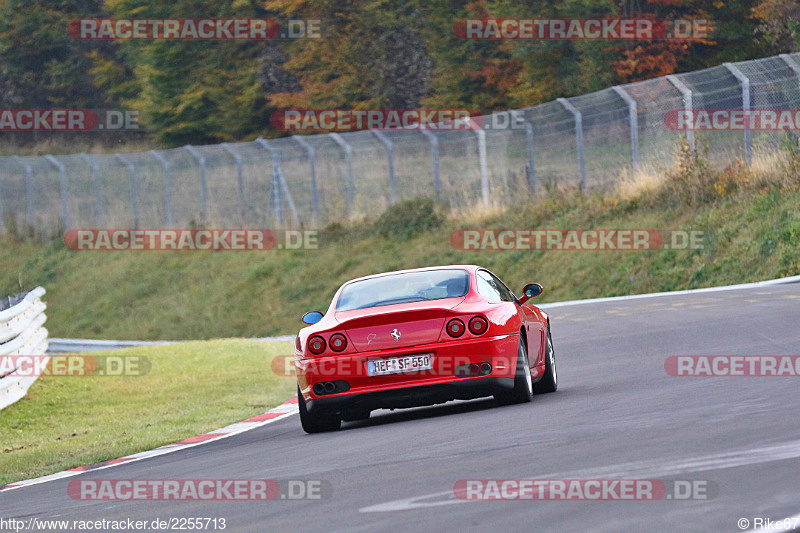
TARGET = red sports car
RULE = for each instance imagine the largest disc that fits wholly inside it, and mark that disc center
(421, 337)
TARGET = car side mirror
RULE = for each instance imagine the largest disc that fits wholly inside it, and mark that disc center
(531, 290)
(312, 317)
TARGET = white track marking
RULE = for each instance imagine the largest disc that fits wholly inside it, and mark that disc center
(768, 283)
(639, 469)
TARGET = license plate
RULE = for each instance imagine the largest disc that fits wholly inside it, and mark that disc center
(398, 365)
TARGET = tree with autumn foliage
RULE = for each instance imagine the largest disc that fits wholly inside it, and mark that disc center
(778, 24)
(41, 66)
(371, 54)
(353, 67)
(197, 91)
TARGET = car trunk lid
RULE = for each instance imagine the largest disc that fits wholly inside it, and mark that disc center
(396, 326)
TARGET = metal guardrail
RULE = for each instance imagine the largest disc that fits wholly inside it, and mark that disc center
(60, 346)
(22, 332)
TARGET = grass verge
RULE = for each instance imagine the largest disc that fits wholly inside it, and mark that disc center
(750, 218)
(191, 388)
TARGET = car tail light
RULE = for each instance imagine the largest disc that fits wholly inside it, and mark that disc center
(338, 342)
(316, 345)
(455, 328)
(478, 325)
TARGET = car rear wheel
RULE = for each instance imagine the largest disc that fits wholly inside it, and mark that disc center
(549, 381)
(316, 422)
(523, 383)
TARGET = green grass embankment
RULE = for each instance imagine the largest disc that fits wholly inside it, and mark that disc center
(750, 218)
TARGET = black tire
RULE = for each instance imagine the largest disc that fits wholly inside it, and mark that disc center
(523, 383)
(316, 422)
(549, 381)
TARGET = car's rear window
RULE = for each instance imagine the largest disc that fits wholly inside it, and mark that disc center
(404, 288)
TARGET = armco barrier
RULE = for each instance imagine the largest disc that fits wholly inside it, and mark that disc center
(60, 346)
(22, 332)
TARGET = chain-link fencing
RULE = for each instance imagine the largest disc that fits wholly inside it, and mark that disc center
(590, 141)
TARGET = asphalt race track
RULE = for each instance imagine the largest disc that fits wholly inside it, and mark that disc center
(617, 414)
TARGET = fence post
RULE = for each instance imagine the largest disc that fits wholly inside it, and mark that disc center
(132, 187)
(578, 138)
(99, 209)
(633, 116)
(2, 220)
(201, 160)
(481, 135)
(64, 188)
(748, 136)
(792, 64)
(437, 179)
(277, 205)
(276, 160)
(167, 185)
(519, 115)
(687, 104)
(484, 167)
(278, 183)
(28, 189)
(239, 179)
(348, 155)
(390, 154)
(312, 159)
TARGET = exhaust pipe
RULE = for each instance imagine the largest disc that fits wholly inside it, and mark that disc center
(473, 370)
(329, 387)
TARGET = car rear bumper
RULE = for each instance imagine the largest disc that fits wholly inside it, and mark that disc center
(412, 396)
(409, 389)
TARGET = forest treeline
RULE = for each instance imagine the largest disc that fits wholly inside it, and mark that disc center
(371, 54)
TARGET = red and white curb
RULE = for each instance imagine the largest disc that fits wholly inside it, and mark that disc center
(280, 412)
